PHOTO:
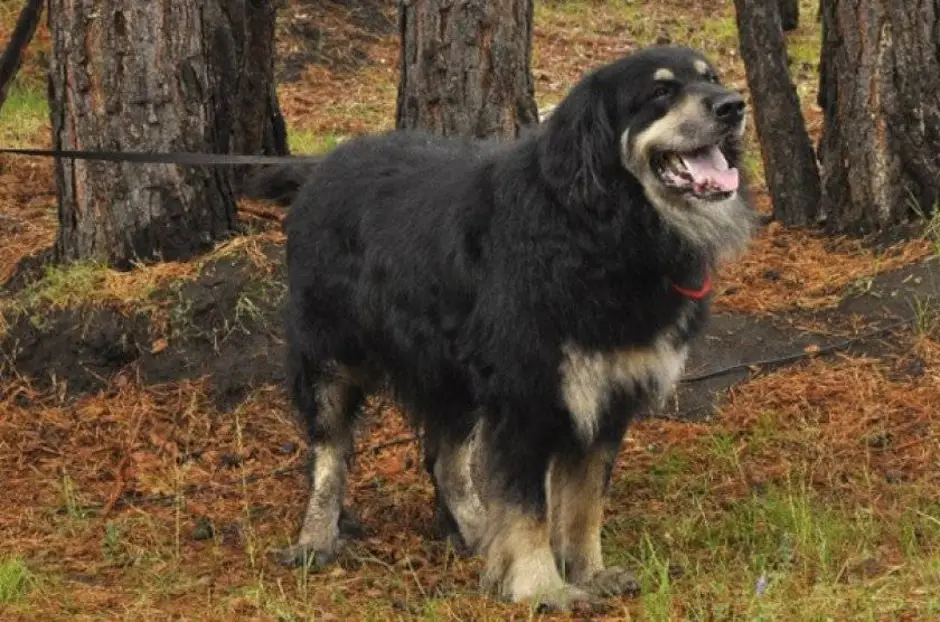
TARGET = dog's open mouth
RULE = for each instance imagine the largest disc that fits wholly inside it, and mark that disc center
(703, 173)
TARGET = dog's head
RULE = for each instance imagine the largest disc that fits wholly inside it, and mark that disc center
(662, 117)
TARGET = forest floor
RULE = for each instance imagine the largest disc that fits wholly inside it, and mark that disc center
(151, 459)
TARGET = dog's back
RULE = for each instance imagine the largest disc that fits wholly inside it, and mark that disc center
(389, 210)
(381, 258)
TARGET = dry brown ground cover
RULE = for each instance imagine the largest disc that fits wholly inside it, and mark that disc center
(151, 460)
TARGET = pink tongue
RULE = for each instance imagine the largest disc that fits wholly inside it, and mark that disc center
(710, 171)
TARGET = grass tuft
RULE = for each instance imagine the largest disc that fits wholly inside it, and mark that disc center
(16, 579)
(305, 141)
(67, 285)
(25, 112)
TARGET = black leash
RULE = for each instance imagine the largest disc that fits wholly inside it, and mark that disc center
(178, 157)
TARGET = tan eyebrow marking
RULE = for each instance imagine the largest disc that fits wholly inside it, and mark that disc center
(701, 66)
(664, 74)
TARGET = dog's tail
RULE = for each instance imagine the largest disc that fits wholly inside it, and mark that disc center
(280, 184)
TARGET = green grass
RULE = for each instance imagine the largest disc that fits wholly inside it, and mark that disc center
(782, 552)
(60, 287)
(803, 47)
(926, 315)
(15, 580)
(25, 112)
(302, 141)
(717, 32)
(643, 26)
(68, 285)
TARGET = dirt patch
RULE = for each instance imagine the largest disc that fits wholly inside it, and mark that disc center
(737, 346)
(896, 294)
(720, 359)
(224, 324)
(26, 270)
(72, 351)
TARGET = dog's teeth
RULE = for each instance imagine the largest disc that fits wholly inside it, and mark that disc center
(673, 164)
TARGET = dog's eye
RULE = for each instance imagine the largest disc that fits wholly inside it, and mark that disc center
(713, 78)
(662, 91)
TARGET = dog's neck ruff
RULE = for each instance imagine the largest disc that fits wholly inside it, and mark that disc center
(697, 294)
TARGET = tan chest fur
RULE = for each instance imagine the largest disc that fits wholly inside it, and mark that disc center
(588, 379)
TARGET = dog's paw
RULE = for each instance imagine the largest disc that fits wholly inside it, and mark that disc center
(614, 581)
(455, 542)
(306, 556)
(569, 599)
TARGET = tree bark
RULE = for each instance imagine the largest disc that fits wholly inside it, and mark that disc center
(174, 75)
(789, 14)
(789, 162)
(880, 94)
(465, 67)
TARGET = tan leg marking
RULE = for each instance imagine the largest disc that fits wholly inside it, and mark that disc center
(320, 530)
(520, 564)
(453, 471)
(319, 539)
(577, 515)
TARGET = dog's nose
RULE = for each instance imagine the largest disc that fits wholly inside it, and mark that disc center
(728, 107)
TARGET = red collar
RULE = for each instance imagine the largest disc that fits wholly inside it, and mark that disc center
(695, 294)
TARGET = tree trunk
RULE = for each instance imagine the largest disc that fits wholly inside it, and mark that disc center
(789, 14)
(789, 162)
(465, 67)
(880, 94)
(174, 75)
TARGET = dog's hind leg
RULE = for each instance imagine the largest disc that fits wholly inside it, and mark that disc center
(328, 395)
(520, 564)
(459, 507)
(445, 525)
(578, 485)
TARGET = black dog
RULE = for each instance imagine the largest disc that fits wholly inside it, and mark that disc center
(524, 301)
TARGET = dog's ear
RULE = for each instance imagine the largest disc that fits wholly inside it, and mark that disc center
(578, 144)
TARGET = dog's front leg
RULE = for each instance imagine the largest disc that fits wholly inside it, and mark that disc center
(520, 564)
(578, 485)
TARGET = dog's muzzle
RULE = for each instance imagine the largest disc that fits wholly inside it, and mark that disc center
(703, 172)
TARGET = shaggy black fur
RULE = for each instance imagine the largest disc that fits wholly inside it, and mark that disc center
(459, 271)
